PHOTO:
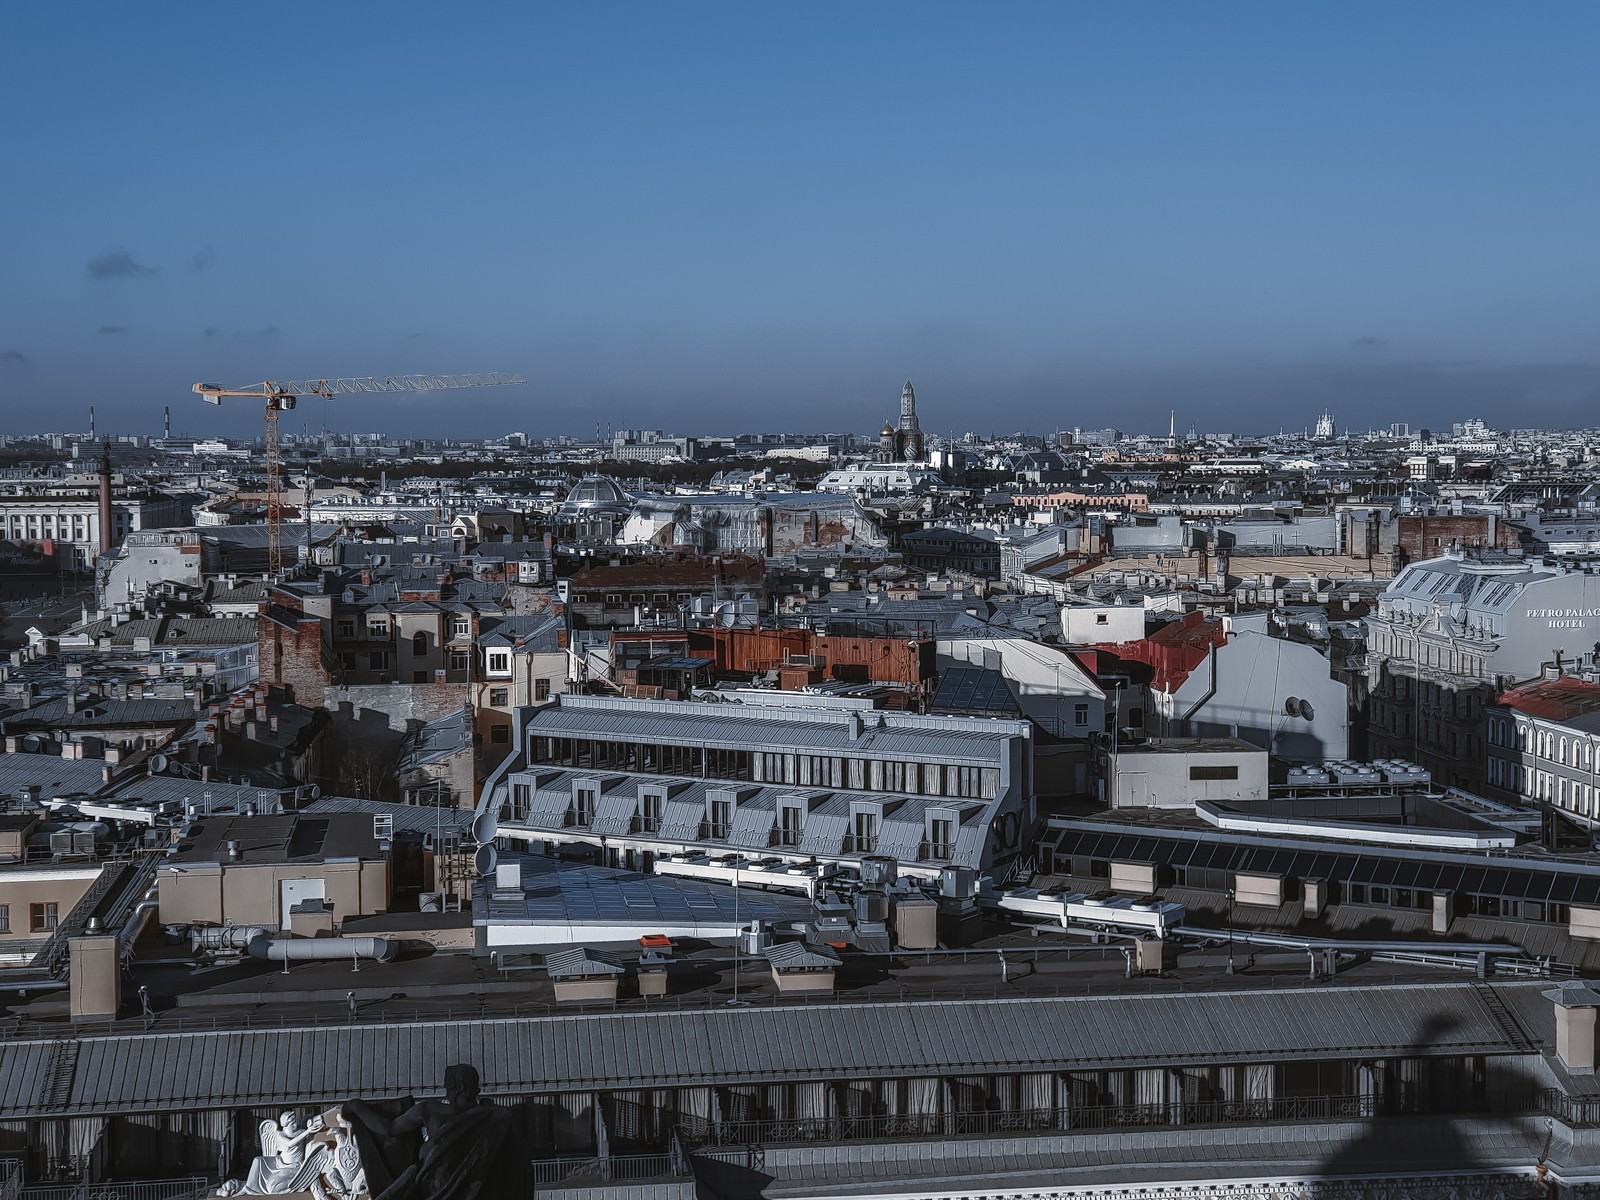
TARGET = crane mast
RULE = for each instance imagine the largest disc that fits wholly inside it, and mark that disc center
(280, 396)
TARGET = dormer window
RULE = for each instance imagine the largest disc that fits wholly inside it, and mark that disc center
(651, 807)
(864, 831)
(719, 817)
(791, 824)
(499, 662)
(583, 800)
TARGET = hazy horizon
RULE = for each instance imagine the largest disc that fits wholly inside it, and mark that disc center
(722, 218)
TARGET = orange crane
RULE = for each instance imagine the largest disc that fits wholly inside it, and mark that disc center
(280, 397)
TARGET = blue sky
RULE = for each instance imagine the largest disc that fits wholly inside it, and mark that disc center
(714, 218)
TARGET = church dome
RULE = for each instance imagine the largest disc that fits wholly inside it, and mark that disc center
(596, 492)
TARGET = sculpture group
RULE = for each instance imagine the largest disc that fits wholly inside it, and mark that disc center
(456, 1148)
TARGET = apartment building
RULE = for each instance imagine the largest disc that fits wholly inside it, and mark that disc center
(1543, 746)
(792, 775)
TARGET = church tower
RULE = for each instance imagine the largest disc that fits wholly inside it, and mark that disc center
(910, 431)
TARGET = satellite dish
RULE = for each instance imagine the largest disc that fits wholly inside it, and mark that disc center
(484, 827)
(32, 743)
(484, 860)
(1291, 707)
(158, 763)
(1306, 710)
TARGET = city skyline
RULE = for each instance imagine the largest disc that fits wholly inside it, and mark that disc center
(686, 218)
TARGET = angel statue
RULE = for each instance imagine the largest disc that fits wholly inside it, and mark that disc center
(343, 1175)
(286, 1163)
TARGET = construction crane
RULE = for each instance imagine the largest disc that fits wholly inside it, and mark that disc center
(280, 397)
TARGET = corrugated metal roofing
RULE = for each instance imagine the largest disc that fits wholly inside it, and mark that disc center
(523, 1056)
(683, 723)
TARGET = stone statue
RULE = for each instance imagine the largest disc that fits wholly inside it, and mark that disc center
(322, 1158)
(471, 1149)
(286, 1163)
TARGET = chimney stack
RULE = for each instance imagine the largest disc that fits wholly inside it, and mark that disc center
(1575, 1003)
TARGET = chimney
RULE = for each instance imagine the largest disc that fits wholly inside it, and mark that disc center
(1575, 1005)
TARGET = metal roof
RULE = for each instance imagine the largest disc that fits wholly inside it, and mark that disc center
(793, 956)
(305, 1064)
(51, 773)
(1422, 870)
(733, 726)
(582, 963)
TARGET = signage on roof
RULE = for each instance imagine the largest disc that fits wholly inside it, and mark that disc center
(1563, 618)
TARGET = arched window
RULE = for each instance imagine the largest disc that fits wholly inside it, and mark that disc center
(419, 645)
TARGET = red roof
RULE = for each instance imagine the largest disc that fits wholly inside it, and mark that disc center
(1554, 699)
(1174, 650)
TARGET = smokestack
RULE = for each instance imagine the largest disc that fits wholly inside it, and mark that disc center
(105, 497)
(91, 422)
(167, 421)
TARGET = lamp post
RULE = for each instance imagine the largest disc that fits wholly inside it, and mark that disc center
(1230, 931)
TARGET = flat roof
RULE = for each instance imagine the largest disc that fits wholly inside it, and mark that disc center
(298, 837)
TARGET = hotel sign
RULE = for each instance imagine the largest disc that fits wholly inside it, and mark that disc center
(1563, 618)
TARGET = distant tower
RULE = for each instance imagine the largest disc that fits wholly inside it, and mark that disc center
(888, 443)
(910, 431)
(1172, 429)
(91, 422)
(1325, 427)
(105, 497)
(166, 421)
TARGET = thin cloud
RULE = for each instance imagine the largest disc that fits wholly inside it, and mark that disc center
(119, 264)
(203, 258)
(113, 329)
(13, 358)
(210, 331)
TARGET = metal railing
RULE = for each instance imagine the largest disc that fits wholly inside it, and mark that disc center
(1573, 1110)
(188, 1021)
(187, 1188)
(698, 1132)
(625, 1168)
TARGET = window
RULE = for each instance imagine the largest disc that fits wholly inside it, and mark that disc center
(347, 629)
(650, 805)
(419, 644)
(499, 697)
(1209, 773)
(500, 735)
(499, 662)
(461, 627)
(583, 806)
(941, 837)
(1080, 715)
(378, 626)
(42, 917)
(866, 832)
(541, 690)
(721, 820)
(378, 660)
(790, 825)
(5, 918)
(458, 660)
(613, 598)
(1102, 618)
